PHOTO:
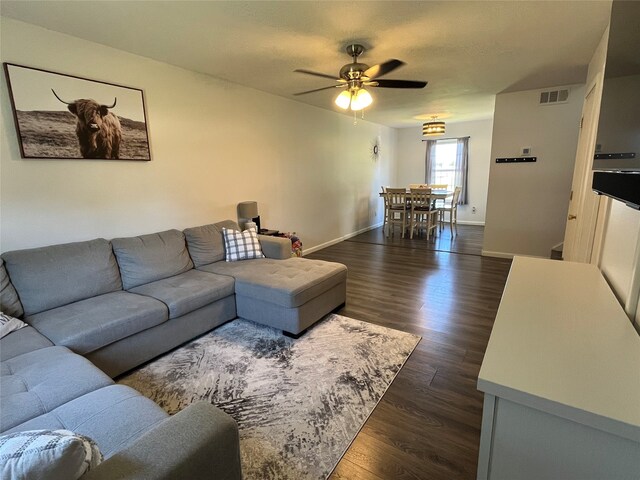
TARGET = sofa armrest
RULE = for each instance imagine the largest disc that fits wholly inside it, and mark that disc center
(200, 442)
(275, 247)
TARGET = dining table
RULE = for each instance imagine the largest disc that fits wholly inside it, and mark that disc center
(437, 194)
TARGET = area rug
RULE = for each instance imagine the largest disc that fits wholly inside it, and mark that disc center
(298, 403)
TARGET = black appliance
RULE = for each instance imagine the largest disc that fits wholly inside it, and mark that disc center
(616, 164)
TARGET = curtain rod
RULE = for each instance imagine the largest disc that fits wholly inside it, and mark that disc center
(449, 138)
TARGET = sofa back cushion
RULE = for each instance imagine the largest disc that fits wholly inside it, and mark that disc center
(206, 244)
(152, 257)
(9, 301)
(49, 277)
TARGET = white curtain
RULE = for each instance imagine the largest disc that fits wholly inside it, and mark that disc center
(462, 168)
(429, 161)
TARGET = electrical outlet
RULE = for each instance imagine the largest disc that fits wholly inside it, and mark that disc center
(473, 209)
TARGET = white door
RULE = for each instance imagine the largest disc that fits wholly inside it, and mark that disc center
(583, 204)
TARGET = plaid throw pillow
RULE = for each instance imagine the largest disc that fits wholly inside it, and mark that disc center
(8, 324)
(47, 454)
(241, 245)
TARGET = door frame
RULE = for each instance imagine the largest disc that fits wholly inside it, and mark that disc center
(587, 206)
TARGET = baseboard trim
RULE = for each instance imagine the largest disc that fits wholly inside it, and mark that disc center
(489, 253)
(469, 222)
(339, 239)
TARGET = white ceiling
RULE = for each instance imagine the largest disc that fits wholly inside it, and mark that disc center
(468, 51)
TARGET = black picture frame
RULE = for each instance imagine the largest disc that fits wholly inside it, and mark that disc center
(61, 116)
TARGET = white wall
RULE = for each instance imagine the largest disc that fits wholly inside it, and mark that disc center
(527, 202)
(619, 247)
(410, 155)
(213, 143)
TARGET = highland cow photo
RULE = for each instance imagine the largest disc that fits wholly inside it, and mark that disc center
(63, 116)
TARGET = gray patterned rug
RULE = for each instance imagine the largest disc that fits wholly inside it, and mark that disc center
(298, 403)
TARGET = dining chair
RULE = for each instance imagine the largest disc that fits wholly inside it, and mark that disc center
(452, 208)
(396, 209)
(438, 186)
(423, 213)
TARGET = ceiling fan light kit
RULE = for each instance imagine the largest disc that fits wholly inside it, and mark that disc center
(361, 99)
(355, 76)
(344, 99)
(358, 99)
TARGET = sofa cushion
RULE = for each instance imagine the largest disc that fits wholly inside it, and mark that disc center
(47, 454)
(95, 322)
(113, 417)
(152, 257)
(205, 243)
(9, 301)
(21, 341)
(188, 291)
(49, 277)
(35, 383)
(241, 245)
(288, 283)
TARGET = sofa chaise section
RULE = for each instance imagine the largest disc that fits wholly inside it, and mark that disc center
(287, 293)
(290, 294)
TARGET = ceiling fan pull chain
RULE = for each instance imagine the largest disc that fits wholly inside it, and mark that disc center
(355, 118)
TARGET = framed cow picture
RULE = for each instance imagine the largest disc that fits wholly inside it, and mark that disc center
(67, 117)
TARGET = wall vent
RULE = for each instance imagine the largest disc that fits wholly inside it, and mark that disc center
(553, 97)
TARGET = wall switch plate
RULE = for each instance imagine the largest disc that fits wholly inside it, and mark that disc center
(526, 151)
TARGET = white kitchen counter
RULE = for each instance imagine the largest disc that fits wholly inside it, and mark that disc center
(563, 357)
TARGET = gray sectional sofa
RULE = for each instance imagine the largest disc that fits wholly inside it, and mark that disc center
(99, 308)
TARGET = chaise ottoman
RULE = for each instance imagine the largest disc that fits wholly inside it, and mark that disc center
(290, 294)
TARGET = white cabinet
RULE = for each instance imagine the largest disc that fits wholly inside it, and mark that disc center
(561, 378)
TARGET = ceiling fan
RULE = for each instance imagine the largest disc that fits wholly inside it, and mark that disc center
(354, 77)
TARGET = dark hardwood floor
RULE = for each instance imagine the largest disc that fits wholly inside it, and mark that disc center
(469, 239)
(427, 425)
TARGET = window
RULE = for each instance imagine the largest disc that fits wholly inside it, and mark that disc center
(446, 163)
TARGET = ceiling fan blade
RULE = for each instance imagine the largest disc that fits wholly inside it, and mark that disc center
(318, 89)
(382, 68)
(399, 84)
(317, 74)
